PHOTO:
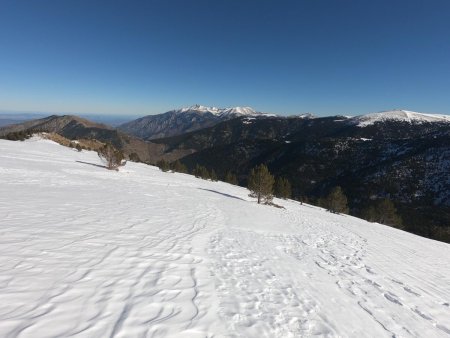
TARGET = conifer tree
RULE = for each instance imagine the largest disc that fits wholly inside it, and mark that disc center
(213, 175)
(201, 172)
(205, 173)
(369, 214)
(231, 178)
(336, 201)
(260, 184)
(283, 188)
(197, 171)
(386, 213)
(383, 212)
(163, 165)
(178, 167)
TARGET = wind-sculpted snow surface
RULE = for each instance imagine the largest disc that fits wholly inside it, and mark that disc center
(88, 252)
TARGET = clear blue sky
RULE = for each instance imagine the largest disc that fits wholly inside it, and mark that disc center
(145, 57)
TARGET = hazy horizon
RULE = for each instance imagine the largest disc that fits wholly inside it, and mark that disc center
(11, 113)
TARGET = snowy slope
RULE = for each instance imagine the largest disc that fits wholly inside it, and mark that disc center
(88, 252)
(398, 115)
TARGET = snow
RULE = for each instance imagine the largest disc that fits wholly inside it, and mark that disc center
(398, 115)
(222, 112)
(89, 252)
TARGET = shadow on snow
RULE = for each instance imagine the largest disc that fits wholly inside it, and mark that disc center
(223, 194)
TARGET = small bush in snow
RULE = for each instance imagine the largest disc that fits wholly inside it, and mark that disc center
(112, 157)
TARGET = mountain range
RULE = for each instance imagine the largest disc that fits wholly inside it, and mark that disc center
(179, 121)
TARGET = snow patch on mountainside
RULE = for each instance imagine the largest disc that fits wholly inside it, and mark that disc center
(88, 252)
(398, 115)
(305, 116)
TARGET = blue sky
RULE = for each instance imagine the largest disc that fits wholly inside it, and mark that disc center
(146, 57)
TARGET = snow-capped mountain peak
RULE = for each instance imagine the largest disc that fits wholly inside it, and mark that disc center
(183, 120)
(398, 115)
(233, 111)
(199, 108)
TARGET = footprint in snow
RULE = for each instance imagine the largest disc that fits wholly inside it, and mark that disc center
(392, 298)
(407, 289)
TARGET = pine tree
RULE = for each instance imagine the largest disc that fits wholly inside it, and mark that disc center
(231, 178)
(336, 201)
(178, 167)
(260, 184)
(283, 188)
(201, 172)
(387, 214)
(205, 173)
(163, 165)
(369, 214)
(383, 212)
(212, 175)
(197, 171)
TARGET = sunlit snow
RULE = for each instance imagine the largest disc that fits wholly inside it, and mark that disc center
(89, 252)
(398, 115)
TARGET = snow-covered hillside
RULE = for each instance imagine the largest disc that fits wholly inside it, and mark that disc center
(398, 115)
(88, 252)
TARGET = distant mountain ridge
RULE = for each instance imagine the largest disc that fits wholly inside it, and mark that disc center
(234, 111)
(75, 128)
(398, 115)
(197, 117)
(184, 120)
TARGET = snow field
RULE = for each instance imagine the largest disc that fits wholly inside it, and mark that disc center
(88, 252)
